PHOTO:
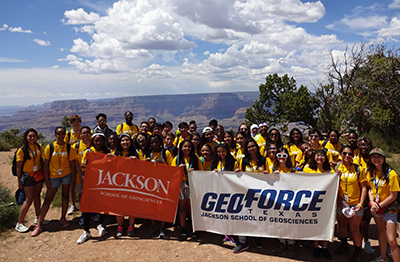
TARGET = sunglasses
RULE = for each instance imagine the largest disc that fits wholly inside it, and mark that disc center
(284, 155)
(274, 134)
(347, 153)
(244, 129)
(314, 136)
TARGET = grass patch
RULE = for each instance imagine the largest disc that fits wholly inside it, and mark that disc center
(8, 213)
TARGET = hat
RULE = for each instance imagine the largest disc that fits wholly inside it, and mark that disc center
(253, 126)
(263, 124)
(207, 129)
(377, 151)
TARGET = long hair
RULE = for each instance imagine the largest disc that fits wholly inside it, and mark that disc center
(279, 142)
(135, 142)
(246, 135)
(148, 148)
(385, 167)
(198, 147)
(247, 157)
(232, 145)
(131, 150)
(193, 161)
(104, 148)
(229, 159)
(288, 161)
(291, 141)
(313, 164)
(25, 143)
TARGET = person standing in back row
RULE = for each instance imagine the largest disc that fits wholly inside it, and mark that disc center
(128, 127)
(101, 126)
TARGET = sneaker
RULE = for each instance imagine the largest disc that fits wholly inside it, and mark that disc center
(195, 235)
(282, 248)
(130, 231)
(152, 231)
(95, 217)
(162, 233)
(36, 231)
(240, 248)
(36, 220)
(342, 249)
(291, 251)
(258, 242)
(325, 253)
(183, 234)
(317, 252)
(231, 239)
(81, 221)
(101, 230)
(388, 251)
(20, 227)
(367, 247)
(380, 259)
(119, 231)
(64, 222)
(71, 210)
(85, 236)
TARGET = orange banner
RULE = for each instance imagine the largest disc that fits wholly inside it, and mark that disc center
(119, 186)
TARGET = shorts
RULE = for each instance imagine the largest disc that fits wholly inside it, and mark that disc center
(389, 217)
(184, 193)
(29, 181)
(360, 212)
(57, 182)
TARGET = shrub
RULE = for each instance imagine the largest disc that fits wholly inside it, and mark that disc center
(8, 213)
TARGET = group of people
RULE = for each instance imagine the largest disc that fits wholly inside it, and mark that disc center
(368, 186)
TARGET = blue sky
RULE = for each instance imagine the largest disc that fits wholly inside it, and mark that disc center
(73, 49)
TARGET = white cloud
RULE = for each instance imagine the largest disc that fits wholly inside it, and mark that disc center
(392, 30)
(70, 58)
(395, 4)
(77, 17)
(18, 30)
(41, 42)
(55, 67)
(10, 60)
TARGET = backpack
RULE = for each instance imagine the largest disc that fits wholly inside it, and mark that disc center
(14, 162)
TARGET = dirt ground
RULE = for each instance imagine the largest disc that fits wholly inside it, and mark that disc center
(56, 243)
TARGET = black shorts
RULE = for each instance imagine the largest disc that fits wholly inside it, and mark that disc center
(29, 181)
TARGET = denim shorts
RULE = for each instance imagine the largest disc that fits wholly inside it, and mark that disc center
(389, 217)
(57, 182)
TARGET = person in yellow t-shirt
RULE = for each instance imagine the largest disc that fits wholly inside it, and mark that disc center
(364, 146)
(222, 160)
(128, 127)
(206, 156)
(125, 148)
(98, 145)
(219, 134)
(246, 129)
(74, 135)
(207, 137)
(184, 129)
(262, 137)
(241, 142)
(80, 148)
(333, 145)
(187, 160)
(295, 142)
(152, 121)
(112, 142)
(270, 154)
(196, 140)
(319, 163)
(140, 142)
(352, 193)
(283, 164)
(230, 141)
(352, 139)
(169, 144)
(383, 189)
(59, 166)
(30, 175)
(307, 151)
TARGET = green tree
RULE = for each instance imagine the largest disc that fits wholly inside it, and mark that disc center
(65, 122)
(281, 102)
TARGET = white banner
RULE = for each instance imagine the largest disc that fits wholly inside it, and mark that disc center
(291, 206)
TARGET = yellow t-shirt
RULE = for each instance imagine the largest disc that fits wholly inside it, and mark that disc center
(207, 164)
(187, 161)
(350, 183)
(284, 170)
(91, 149)
(221, 165)
(359, 160)
(59, 159)
(260, 140)
(253, 166)
(179, 139)
(307, 169)
(239, 153)
(293, 152)
(212, 144)
(81, 150)
(74, 137)
(35, 153)
(155, 155)
(334, 149)
(126, 129)
(380, 187)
